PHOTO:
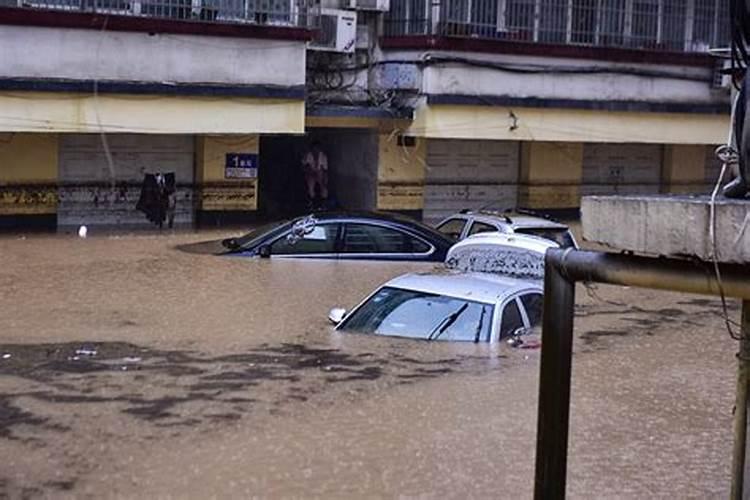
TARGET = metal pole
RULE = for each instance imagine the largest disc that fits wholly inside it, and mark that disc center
(554, 382)
(740, 463)
(562, 269)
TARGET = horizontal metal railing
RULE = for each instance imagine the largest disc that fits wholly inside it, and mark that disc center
(670, 25)
(290, 13)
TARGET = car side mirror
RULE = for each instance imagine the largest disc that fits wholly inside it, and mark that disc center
(514, 339)
(336, 315)
(264, 251)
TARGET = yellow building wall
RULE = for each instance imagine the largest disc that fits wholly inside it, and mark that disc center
(217, 193)
(28, 173)
(148, 114)
(550, 175)
(567, 125)
(684, 168)
(401, 173)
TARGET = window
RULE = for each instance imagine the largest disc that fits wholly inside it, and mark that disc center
(532, 302)
(511, 319)
(452, 228)
(408, 313)
(561, 236)
(481, 227)
(369, 238)
(321, 240)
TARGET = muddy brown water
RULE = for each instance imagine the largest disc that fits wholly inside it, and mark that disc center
(130, 369)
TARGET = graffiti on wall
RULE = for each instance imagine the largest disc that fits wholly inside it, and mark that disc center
(28, 199)
(401, 196)
(229, 196)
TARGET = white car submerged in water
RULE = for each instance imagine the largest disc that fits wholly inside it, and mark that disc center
(490, 289)
(447, 305)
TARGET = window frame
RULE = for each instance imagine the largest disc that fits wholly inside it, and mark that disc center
(334, 254)
(351, 255)
(467, 222)
(516, 296)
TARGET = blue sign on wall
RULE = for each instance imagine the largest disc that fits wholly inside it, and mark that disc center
(241, 166)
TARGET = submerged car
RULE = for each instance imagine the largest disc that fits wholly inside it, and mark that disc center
(467, 223)
(508, 254)
(447, 305)
(341, 235)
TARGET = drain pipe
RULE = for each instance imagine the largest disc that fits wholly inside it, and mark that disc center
(563, 268)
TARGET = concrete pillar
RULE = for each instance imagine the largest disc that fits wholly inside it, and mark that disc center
(550, 176)
(227, 191)
(28, 180)
(683, 169)
(401, 174)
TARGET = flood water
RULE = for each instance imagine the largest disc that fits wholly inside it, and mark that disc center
(131, 369)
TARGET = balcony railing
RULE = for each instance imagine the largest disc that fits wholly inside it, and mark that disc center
(669, 25)
(291, 13)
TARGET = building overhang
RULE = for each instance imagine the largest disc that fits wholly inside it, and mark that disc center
(585, 104)
(151, 88)
(348, 116)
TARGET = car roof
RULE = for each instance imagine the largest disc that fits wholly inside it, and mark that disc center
(480, 287)
(521, 221)
(514, 219)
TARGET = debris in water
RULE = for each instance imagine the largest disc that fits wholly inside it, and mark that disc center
(7, 355)
(131, 359)
(86, 351)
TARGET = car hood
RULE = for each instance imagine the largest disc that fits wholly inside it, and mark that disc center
(211, 247)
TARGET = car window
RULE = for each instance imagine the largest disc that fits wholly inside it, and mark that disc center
(452, 228)
(369, 238)
(532, 302)
(511, 319)
(409, 313)
(322, 239)
(561, 236)
(481, 227)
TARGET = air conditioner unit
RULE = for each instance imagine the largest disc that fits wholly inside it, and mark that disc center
(379, 5)
(338, 31)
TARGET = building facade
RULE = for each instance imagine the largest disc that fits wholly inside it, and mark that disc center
(423, 107)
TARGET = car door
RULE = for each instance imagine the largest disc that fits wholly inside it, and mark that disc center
(364, 240)
(321, 242)
(511, 318)
(522, 310)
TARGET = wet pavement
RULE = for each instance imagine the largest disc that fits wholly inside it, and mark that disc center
(131, 369)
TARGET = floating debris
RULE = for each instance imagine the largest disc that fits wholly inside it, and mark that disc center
(86, 351)
(7, 355)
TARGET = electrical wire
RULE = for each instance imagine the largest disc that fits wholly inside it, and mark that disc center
(433, 60)
(728, 155)
(102, 134)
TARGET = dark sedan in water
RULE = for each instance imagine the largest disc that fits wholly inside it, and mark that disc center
(341, 235)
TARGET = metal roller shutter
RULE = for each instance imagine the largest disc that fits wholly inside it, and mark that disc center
(85, 192)
(469, 174)
(621, 168)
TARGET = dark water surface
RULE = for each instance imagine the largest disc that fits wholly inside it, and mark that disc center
(131, 369)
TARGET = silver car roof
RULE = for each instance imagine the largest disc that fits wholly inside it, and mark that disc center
(479, 287)
(518, 221)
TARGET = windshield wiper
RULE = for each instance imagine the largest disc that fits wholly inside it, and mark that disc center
(447, 322)
(479, 326)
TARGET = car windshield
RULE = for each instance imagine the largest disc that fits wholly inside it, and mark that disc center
(407, 313)
(561, 235)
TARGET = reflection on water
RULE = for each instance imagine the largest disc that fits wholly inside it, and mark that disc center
(129, 368)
